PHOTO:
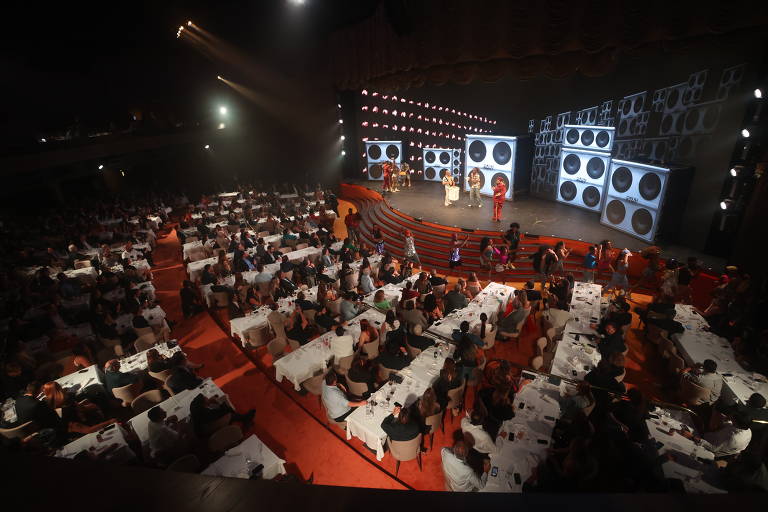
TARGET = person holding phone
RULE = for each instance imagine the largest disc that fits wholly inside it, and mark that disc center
(401, 425)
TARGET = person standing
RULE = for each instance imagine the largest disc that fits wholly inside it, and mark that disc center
(447, 183)
(619, 271)
(499, 195)
(474, 188)
(590, 264)
(410, 248)
(454, 259)
(387, 177)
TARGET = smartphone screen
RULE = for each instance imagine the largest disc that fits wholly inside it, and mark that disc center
(494, 471)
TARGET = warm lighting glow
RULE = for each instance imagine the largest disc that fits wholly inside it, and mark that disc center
(218, 77)
(222, 126)
(189, 23)
(223, 110)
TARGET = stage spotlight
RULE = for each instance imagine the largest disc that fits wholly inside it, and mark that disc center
(189, 23)
(222, 126)
(343, 153)
(735, 170)
(122, 173)
(43, 140)
(223, 111)
(101, 167)
(745, 133)
(725, 204)
(207, 146)
(297, 2)
(758, 93)
(218, 77)
(343, 137)
(341, 121)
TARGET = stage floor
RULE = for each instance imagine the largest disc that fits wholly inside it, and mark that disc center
(535, 216)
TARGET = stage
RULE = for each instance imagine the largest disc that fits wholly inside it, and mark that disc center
(424, 200)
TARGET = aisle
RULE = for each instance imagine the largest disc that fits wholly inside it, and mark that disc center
(289, 431)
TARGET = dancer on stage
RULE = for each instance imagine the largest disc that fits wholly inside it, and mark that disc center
(454, 258)
(499, 194)
(387, 171)
(474, 188)
(394, 176)
(447, 183)
(410, 248)
(405, 176)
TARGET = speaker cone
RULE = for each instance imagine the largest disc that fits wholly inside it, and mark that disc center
(587, 137)
(603, 138)
(568, 190)
(375, 170)
(642, 221)
(572, 136)
(615, 211)
(595, 167)
(571, 164)
(650, 186)
(477, 151)
(445, 158)
(393, 151)
(621, 179)
(429, 173)
(429, 157)
(374, 152)
(591, 196)
(502, 153)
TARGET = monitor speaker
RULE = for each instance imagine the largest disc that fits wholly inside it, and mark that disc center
(438, 161)
(582, 178)
(379, 152)
(594, 138)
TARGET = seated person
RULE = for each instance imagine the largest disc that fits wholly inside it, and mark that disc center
(114, 378)
(436, 280)
(182, 378)
(401, 425)
(337, 405)
(706, 376)
(472, 424)
(157, 363)
(393, 357)
(431, 308)
(612, 342)
(297, 327)
(342, 345)
(29, 408)
(414, 317)
(349, 307)
(729, 440)
(459, 476)
(366, 283)
(409, 292)
(165, 439)
(79, 416)
(462, 331)
(325, 319)
(449, 378)
(498, 404)
(380, 301)
(531, 293)
(454, 300)
(204, 410)
(368, 333)
(363, 371)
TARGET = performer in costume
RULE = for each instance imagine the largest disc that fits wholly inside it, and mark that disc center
(499, 194)
(447, 183)
(394, 176)
(454, 258)
(387, 170)
(474, 187)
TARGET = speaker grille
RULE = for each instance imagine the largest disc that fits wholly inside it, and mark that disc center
(621, 179)
(591, 196)
(568, 191)
(375, 171)
(602, 139)
(615, 212)
(430, 157)
(650, 186)
(477, 151)
(502, 153)
(595, 167)
(642, 221)
(393, 151)
(429, 173)
(445, 158)
(571, 164)
(374, 152)
(572, 136)
(587, 137)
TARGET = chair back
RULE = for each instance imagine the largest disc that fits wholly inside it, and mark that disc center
(357, 388)
(19, 432)
(434, 421)
(309, 314)
(277, 324)
(145, 342)
(128, 393)
(233, 228)
(676, 364)
(456, 396)
(490, 337)
(551, 335)
(334, 307)
(160, 376)
(693, 394)
(276, 347)
(405, 450)
(371, 349)
(413, 352)
(141, 331)
(262, 234)
(146, 400)
(82, 264)
(384, 372)
(301, 246)
(343, 365)
(314, 384)
(220, 299)
(537, 362)
(257, 336)
(225, 438)
(186, 464)
(541, 345)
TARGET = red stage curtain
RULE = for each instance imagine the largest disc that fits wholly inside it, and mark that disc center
(464, 41)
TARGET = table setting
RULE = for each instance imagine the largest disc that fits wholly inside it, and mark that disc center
(241, 460)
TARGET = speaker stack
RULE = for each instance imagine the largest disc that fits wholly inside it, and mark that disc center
(438, 161)
(584, 162)
(379, 152)
(646, 201)
(494, 155)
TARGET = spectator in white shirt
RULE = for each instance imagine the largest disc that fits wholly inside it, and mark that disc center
(164, 440)
(706, 376)
(459, 477)
(130, 254)
(472, 424)
(342, 345)
(731, 439)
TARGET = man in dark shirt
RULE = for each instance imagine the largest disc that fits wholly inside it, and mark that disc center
(205, 410)
(139, 322)
(285, 265)
(114, 378)
(207, 277)
(612, 342)
(182, 378)
(29, 408)
(531, 293)
(393, 357)
(619, 315)
(286, 284)
(399, 425)
(305, 304)
(454, 300)
(436, 280)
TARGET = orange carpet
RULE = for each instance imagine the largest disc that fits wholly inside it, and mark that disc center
(294, 426)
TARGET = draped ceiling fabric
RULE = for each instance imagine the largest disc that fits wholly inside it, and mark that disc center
(463, 41)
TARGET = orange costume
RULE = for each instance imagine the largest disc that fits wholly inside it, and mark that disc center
(499, 195)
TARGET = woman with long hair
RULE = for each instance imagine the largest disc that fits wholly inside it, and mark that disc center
(391, 323)
(81, 417)
(378, 239)
(473, 284)
(619, 270)
(604, 257)
(454, 257)
(562, 253)
(432, 308)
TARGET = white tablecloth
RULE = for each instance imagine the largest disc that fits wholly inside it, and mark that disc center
(258, 319)
(693, 463)
(302, 364)
(177, 405)
(110, 441)
(365, 422)
(491, 300)
(78, 381)
(234, 462)
(585, 302)
(155, 316)
(573, 358)
(520, 452)
(138, 362)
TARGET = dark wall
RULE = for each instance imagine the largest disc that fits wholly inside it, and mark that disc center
(514, 103)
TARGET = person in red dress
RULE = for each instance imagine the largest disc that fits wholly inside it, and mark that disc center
(499, 194)
(387, 173)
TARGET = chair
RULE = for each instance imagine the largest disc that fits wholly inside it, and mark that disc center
(233, 228)
(537, 362)
(225, 438)
(541, 346)
(186, 464)
(220, 299)
(334, 307)
(343, 365)
(141, 331)
(357, 388)
(113, 343)
(127, 393)
(551, 335)
(403, 451)
(216, 425)
(692, 394)
(19, 432)
(413, 352)
(288, 275)
(146, 401)
(384, 373)
(676, 364)
(314, 384)
(262, 234)
(276, 347)
(666, 347)
(145, 342)
(433, 422)
(160, 376)
(438, 290)
(301, 246)
(371, 349)
(82, 264)
(490, 337)
(456, 397)
(257, 336)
